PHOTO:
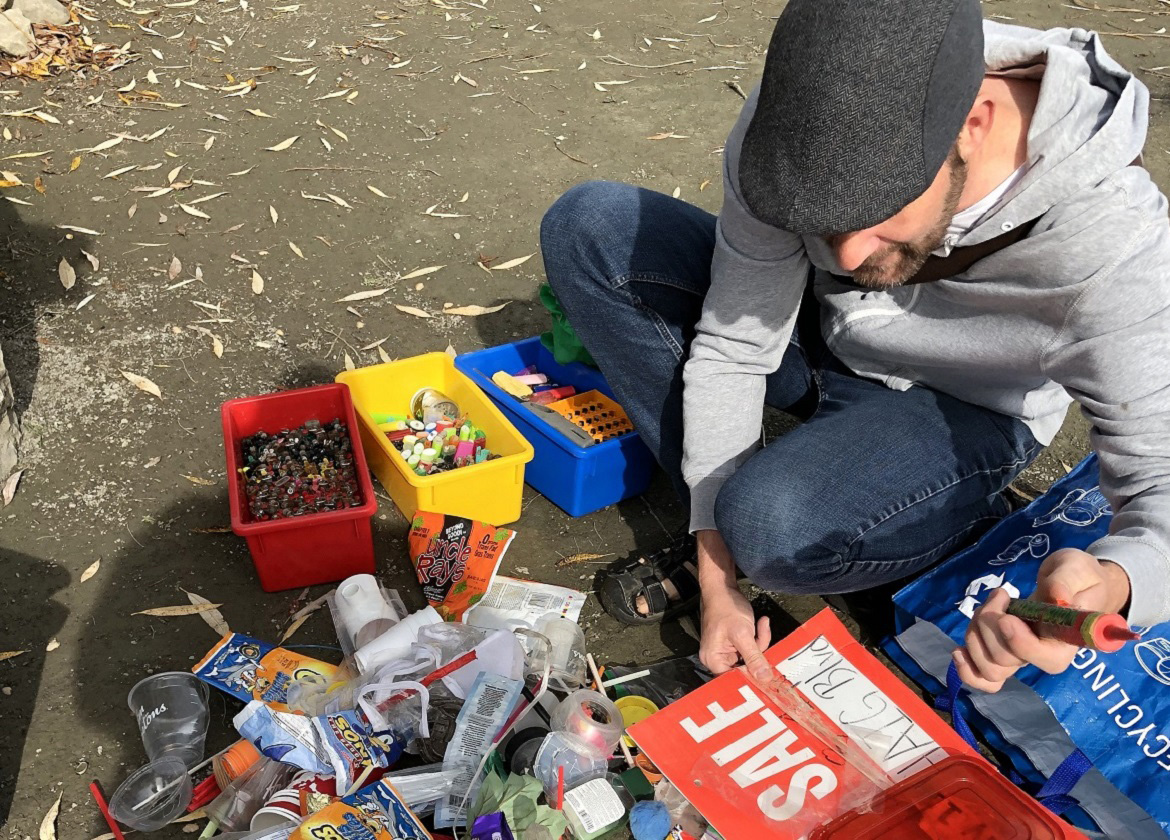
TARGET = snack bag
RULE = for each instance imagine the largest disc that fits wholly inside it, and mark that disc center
(456, 560)
(253, 670)
(376, 812)
(350, 746)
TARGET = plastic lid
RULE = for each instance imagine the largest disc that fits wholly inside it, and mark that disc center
(960, 798)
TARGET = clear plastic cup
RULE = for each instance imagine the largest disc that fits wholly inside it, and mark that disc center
(566, 652)
(171, 709)
(592, 717)
(153, 795)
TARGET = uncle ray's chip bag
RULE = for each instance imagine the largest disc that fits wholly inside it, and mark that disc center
(254, 670)
(456, 560)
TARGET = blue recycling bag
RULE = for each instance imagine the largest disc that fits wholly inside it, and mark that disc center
(1115, 708)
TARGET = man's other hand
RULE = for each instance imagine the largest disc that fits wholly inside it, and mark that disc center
(997, 644)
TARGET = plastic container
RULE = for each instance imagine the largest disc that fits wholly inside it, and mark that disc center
(592, 717)
(593, 809)
(490, 492)
(153, 795)
(958, 797)
(581, 762)
(315, 548)
(171, 709)
(577, 479)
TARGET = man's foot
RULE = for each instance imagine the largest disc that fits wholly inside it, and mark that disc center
(647, 589)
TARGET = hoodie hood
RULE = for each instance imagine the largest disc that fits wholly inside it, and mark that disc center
(1090, 120)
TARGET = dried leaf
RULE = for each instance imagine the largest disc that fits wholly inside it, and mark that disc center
(421, 272)
(217, 346)
(193, 211)
(241, 172)
(451, 351)
(340, 202)
(210, 142)
(143, 384)
(212, 616)
(48, 830)
(133, 209)
(105, 144)
(366, 295)
(85, 300)
(466, 196)
(93, 261)
(90, 571)
(174, 269)
(272, 212)
(376, 191)
(334, 95)
(573, 559)
(303, 614)
(295, 249)
(182, 609)
(283, 144)
(256, 112)
(349, 365)
(76, 229)
(709, 19)
(411, 310)
(677, 192)
(66, 273)
(667, 135)
(52, 645)
(513, 263)
(11, 654)
(383, 355)
(257, 283)
(10, 487)
(76, 162)
(202, 482)
(173, 174)
(472, 311)
(292, 628)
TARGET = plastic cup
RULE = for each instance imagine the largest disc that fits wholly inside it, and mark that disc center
(153, 795)
(172, 715)
(567, 652)
(282, 808)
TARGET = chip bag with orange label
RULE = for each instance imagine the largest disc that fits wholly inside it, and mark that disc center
(456, 560)
(376, 812)
(250, 669)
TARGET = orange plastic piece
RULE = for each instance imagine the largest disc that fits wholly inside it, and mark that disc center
(596, 413)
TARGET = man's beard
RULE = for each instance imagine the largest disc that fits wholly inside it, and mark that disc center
(895, 264)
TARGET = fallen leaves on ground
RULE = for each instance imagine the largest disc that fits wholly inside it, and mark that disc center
(211, 615)
(90, 571)
(473, 310)
(66, 273)
(48, 829)
(10, 486)
(181, 609)
(11, 654)
(513, 263)
(413, 310)
(143, 384)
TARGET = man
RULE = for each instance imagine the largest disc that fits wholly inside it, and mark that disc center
(935, 235)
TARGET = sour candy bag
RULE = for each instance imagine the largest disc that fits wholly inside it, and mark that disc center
(456, 560)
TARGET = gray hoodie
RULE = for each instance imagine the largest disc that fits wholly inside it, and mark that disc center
(1078, 310)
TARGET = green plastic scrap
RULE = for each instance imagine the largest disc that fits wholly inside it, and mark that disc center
(562, 341)
(517, 797)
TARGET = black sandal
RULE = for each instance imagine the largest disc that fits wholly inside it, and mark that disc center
(643, 575)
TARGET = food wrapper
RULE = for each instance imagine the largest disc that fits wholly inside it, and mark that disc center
(254, 670)
(283, 736)
(346, 738)
(376, 812)
(456, 560)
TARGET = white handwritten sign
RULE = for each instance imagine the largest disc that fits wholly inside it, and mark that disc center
(860, 709)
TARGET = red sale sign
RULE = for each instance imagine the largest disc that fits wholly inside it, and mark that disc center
(778, 764)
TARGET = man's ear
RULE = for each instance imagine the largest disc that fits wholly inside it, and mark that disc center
(977, 127)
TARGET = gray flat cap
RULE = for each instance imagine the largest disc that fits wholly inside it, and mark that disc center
(860, 103)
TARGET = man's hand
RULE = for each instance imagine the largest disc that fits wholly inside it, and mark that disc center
(998, 644)
(730, 632)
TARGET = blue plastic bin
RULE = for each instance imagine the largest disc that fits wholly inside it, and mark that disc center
(577, 479)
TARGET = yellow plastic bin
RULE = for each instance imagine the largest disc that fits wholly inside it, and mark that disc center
(490, 492)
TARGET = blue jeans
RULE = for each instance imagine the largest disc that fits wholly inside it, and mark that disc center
(873, 486)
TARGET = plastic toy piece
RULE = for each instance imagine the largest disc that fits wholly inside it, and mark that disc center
(602, 418)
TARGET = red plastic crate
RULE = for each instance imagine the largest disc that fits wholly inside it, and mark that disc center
(315, 548)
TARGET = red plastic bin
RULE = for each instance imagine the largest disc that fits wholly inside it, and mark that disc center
(315, 548)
